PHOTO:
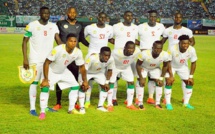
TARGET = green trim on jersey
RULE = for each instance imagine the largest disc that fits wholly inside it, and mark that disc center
(28, 34)
(45, 89)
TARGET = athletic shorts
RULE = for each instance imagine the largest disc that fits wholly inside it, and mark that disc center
(182, 72)
(99, 78)
(126, 74)
(153, 74)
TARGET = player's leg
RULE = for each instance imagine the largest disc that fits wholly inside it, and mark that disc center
(151, 90)
(88, 93)
(114, 101)
(33, 90)
(110, 96)
(58, 96)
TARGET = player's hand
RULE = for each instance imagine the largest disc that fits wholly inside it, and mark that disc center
(26, 64)
(190, 81)
(142, 82)
(106, 87)
(169, 81)
(85, 86)
(45, 83)
(159, 82)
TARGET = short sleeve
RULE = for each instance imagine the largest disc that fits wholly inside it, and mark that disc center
(79, 61)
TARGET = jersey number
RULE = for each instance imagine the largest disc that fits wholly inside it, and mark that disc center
(182, 61)
(128, 34)
(66, 61)
(125, 61)
(176, 36)
(45, 33)
(153, 33)
(152, 65)
(101, 36)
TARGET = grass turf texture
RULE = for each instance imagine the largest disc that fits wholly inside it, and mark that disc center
(14, 101)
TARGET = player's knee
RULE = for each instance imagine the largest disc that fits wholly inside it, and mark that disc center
(45, 89)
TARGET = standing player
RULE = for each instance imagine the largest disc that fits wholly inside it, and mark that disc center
(148, 64)
(99, 34)
(123, 59)
(96, 64)
(41, 35)
(150, 32)
(179, 55)
(172, 33)
(123, 32)
(70, 25)
(55, 71)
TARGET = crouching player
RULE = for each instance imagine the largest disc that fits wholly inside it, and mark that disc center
(96, 64)
(179, 56)
(123, 58)
(148, 64)
(55, 71)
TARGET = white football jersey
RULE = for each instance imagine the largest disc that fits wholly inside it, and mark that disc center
(98, 37)
(122, 61)
(123, 34)
(148, 35)
(61, 58)
(41, 40)
(173, 34)
(179, 59)
(93, 64)
(151, 63)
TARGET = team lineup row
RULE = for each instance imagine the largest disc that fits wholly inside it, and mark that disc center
(102, 65)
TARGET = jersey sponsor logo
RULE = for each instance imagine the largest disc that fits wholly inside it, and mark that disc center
(65, 26)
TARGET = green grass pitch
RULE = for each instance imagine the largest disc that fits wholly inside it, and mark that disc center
(14, 102)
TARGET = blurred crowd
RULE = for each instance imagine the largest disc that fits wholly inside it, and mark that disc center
(114, 8)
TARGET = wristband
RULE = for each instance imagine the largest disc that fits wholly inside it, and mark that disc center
(191, 76)
(161, 78)
(107, 82)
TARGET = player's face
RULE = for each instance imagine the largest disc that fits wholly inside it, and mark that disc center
(129, 49)
(152, 18)
(157, 49)
(71, 42)
(184, 44)
(178, 19)
(128, 17)
(72, 13)
(102, 18)
(45, 14)
(105, 56)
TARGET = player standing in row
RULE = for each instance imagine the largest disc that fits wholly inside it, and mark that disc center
(40, 34)
(173, 32)
(150, 32)
(148, 64)
(123, 59)
(55, 71)
(124, 32)
(99, 34)
(96, 64)
(179, 56)
(70, 25)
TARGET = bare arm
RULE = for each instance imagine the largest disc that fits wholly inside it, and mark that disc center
(137, 42)
(139, 70)
(112, 40)
(192, 68)
(24, 51)
(163, 40)
(82, 39)
(109, 74)
(57, 39)
(192, 41)
(83, 72)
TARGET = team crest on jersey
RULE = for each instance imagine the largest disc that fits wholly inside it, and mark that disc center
(94, 32)
(170, 33)
(64, 55)
(65, 26)
(121, 29)
(38, 28)
(27, 76)
(145, 29)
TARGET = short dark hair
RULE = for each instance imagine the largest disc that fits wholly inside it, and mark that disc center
(157, 42)
(127, 12)
(183, 37)
(102, 13)
(71, 35)
(43, 7)
(104, 49)
(69, 8)
(129, 42)
(152, 11)
(178, 13)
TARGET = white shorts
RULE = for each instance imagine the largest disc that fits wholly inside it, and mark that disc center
(182, 72)
(153, 74)
(126, 74)
(39, 71)
(99, 78)
(64, 80)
